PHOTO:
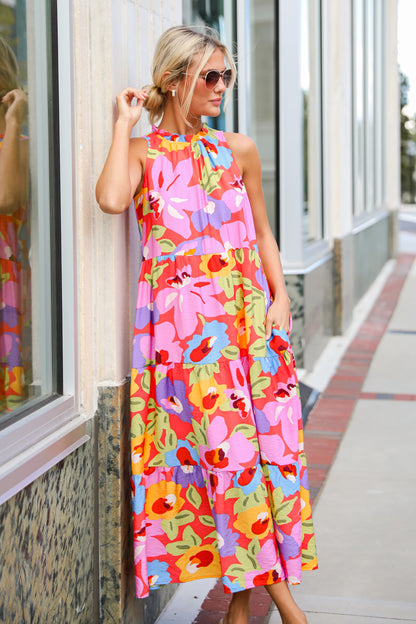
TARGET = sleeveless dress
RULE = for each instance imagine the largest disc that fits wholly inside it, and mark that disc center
(219, 474)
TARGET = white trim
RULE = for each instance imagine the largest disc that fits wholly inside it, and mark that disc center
(23, 469)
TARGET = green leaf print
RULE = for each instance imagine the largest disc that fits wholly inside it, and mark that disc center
(258, 348)
(226, 283)
(156, 273)
(230, 352)
(184, 517)
(170, 528)
(145, 381)
(248, 561)
(254, 547)
(159, 460)
(239, 256)
(171, 441)
(193, 496)
(239, 572)
(176, 549)
(152, 153)
(200, 434)
(249, 431)
(207, 520)
(166, 245)
(137, 426)
(157, 231)
(284, 510)
(190, 537)
(237, 275)
(210, 180)
(286, 357)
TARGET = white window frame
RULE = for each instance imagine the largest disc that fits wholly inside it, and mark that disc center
(298, 255)
(37, 441)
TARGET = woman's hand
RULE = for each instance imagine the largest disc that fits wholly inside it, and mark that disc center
(128, 111)
(16, 102)
(278, 314)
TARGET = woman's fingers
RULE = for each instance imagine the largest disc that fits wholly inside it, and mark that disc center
(126, 105)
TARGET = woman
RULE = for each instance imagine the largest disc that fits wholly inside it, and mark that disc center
(219, 476)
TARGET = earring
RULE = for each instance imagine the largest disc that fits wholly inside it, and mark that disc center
(173, 92)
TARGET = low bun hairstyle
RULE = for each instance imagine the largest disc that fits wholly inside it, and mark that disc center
(175, 52)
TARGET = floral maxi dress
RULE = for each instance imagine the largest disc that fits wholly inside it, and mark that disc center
(218, 470)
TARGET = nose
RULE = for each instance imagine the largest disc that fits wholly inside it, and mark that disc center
(220, 86)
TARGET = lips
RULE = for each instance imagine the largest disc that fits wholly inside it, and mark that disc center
(216, 102)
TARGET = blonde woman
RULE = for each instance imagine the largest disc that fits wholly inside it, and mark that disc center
(219, 475)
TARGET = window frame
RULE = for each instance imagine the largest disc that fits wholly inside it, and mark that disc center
(51, 429)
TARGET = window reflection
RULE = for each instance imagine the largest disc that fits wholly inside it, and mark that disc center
(15, 318)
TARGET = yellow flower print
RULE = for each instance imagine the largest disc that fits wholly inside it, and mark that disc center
(207, 395)
(243, 324)
(140, 452)
(218, 265)
(163, 500)
(199, 562)
(255, 522)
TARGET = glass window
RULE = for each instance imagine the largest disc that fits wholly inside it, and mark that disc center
(29, 336)
(367, 105)
(311, 78)
(263, 97)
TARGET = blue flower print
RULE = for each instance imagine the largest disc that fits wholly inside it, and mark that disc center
(218, 155)
(248, 480)
(139, 492)
(206, 348)
(159, 571)
(183, 455)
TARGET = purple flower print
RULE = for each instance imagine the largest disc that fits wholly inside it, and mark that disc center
(214, 213)
(227, 540)
(188, 475)
(171, 395)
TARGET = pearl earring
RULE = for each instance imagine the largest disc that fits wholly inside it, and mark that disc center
(173, 92)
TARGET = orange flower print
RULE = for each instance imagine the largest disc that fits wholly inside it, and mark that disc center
(243, 324)
(218, 265)
(140, 452)
(199, 562)
(163, 500)
(254, 522)
(207, 395)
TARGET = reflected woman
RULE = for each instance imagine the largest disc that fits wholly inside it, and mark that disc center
(14, 176)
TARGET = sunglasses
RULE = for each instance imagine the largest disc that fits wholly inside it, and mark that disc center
(212, 77)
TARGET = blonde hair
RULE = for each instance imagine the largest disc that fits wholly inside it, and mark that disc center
(9, 69)
(174, 54)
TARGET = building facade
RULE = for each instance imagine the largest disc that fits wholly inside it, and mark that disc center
(318, 91)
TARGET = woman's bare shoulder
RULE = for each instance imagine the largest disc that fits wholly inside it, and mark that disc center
(240, 143)
(138, 148)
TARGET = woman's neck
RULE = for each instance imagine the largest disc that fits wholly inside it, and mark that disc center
(174, 122)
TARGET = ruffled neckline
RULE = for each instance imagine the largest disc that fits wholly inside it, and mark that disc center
(183, 138)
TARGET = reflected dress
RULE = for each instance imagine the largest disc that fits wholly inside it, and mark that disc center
(219, 477)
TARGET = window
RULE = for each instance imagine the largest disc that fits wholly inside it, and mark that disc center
(367, 105)
(38, 411)
(311, 78)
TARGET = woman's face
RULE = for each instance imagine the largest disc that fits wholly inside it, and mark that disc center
(204, 101)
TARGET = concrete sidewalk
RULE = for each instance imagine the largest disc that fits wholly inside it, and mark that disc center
(365, 513)
(359, 442)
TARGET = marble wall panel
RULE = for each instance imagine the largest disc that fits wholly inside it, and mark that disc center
(371, 252)
(46, 546)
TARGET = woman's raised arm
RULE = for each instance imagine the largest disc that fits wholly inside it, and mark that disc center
(123, 169)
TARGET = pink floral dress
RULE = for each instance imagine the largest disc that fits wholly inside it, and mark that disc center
(218, 470)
